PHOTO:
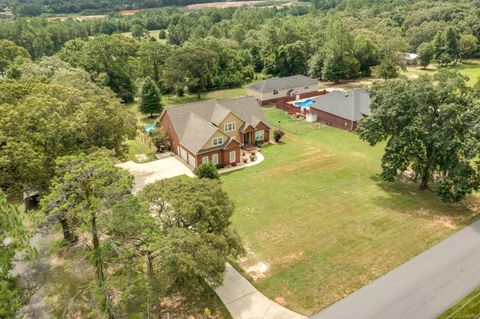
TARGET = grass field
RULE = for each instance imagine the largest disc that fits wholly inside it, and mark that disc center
(470, 68)
(318, 222)
(467, 308)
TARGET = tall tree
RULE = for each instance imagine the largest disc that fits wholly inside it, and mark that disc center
(150, 98)
(195, 221)
(8, 52)
(366, 53)
(84, 191)
(61, 121)
(468, 46)
(431, 127)
(340, 61)
(387, 69)
(14, 239)
(425, 54)
(190, 67)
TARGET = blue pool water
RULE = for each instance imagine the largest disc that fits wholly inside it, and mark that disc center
(305, 103)
(149, 128)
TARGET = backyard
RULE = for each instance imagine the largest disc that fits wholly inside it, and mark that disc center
(318, 222)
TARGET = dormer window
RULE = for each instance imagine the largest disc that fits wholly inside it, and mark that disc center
(229, 127)
(217, 141)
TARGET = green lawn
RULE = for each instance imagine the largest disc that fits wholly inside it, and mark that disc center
(470, 68)
(467, 308)
(318, 219)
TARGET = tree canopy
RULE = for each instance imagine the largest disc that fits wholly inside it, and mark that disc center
(43, 121)
(431, 128)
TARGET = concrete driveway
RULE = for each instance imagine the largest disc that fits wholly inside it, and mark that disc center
(147, 173)
(422, 288)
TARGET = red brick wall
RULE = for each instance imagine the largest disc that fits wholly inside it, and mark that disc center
(333, 120)
(266, 131)
(223, 155)
(167, 125)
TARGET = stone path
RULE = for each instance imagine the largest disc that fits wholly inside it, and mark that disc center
(244, 301)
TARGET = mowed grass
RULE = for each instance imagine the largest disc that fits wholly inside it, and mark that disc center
(467, 308)
(470, 68)
(318, 215)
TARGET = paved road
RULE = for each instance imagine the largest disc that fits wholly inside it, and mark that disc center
(244, 301)
(422, 288)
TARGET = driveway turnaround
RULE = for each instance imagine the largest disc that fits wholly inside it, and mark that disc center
(147, 173)
(243, 301)
(423, 287)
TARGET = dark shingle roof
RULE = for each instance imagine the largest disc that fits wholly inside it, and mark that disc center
(282, 83)
(351, 105)
(195, 123)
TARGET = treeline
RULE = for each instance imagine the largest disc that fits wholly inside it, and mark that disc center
(34, 8)
(345, 41)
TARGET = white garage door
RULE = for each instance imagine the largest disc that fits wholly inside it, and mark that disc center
(191, 160)
(183, 153)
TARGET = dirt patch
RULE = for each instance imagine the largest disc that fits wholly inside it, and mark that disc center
(281, 301)
(258, 271)
(437, 220)
(141, 157)
(222, 5)
(293, 258)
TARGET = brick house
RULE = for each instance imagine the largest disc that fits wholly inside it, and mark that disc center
(215, 131)
(268, 91)
(341, 109)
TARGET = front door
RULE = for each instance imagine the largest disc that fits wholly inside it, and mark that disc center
(247, 138)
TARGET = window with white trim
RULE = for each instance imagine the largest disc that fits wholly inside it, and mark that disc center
(232, 156)
(228, 127)
(205, 160)
(217, 141)
(259, 135)
(215, 159)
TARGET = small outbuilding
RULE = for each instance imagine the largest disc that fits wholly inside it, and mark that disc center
(268, 91)
(341, 109)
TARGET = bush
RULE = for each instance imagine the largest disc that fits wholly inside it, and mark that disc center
(277, 135)
(258, 144)
(207, 170)
(160, 140)
(162, 34)
(180, 91)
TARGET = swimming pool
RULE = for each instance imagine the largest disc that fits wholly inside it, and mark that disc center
(149, 128)
(304, 104)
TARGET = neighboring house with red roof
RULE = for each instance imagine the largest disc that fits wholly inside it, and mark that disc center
(215, 131)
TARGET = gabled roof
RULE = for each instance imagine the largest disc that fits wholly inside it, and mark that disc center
(196, 123)
(353, 105)
(197, 133)
(247, 109)
(277, 83)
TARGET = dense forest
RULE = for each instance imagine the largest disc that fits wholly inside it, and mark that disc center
(331, 40)
(31, 8)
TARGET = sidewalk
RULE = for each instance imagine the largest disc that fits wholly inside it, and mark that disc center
(244, 301)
